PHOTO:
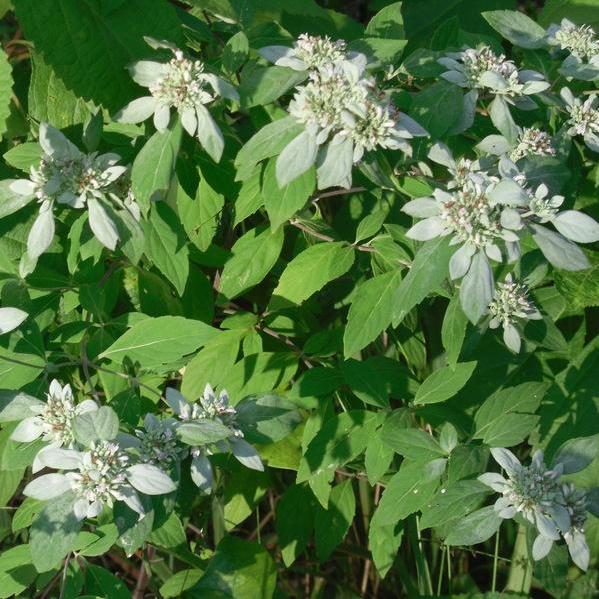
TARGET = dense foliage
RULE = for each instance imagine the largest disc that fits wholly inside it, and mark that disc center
(296, 303)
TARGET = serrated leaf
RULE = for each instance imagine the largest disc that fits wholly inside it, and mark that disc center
(444, 383)
(253, 255)
(310, 271)
(162, 340)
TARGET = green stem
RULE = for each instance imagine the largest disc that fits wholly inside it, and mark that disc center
(520, 576)
(440, 581)
(495, 560)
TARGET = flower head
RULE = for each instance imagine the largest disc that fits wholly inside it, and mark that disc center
(580, 40)
(313, 53)
(182, 84)
(583, 118)
(158, 442)
(53, 420)
(69, 177)
(209, 426)
(532, 142)
(481, 68)
(509, 305)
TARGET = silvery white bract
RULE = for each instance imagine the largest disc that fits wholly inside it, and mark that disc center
(477, 221)
(534, 208)
(182, 84)
(509, 305)
(313, 52)
(100, 476)
(481, 70)
(10, 319)
(344, 115)
(157, 443)
(582, 45)
(68, 177)
(584, 118)
(556, 509)
(52, 421)
(531, 143)
(210, 427)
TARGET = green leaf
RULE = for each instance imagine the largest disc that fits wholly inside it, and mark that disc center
(266, 418)
(341, 439)
(99, 425)
(178, 583)
(53, 533)
(310, 271)
(453, 502)
(579, 11)
(152, 168)
(331, 525)
(156, 341)
(282, 203)
(24, 156)
(16, 571)
(371, 311)
(6, 82)
(377, 459)
(166, 245)
(409, 490)
(366, 382)
(427, 273)
(438, 108)
(49, 99)
(250, 197)
(475, 528)
(89, 48)
(99, 579)
(239, 569)
(267, 142)
(200, 215)
(507, 417)
(169, 534)
(412, 443)
(580, 288)
(294, 522)
(203, 431)
(263, 85)
(453, 330)
(384, 541)
(444, 383)
(253, 255)
(576, 454)
(211, 363)
(516, 27)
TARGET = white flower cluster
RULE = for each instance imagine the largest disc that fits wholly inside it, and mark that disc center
(310, 52)
(584, 118)
(509, 305)
(580, 41)
(69, 177)
(97, 474)
(480, 68)
(486, 211)
(343, 112)
(182, 84)
(532, 142)
(555, 508)
(582, 45)
(201, 429)
(53, 420)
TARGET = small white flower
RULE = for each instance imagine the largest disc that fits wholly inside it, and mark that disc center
(181, 84)
(218, 410)
(510, 304)
(66, 176)
(584, 118)
(532, 142)
(580, 41)
(53, 421)
(313, 52)
(480, 68)
(158, 442)
(99, 476)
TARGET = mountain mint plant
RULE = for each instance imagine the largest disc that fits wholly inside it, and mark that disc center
(377, 230)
